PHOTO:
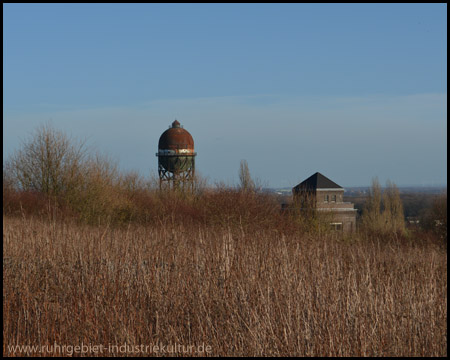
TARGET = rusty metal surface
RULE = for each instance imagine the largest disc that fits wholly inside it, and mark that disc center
(176, 164)
(178, 139)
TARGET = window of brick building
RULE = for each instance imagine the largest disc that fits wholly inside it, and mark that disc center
(336, 226)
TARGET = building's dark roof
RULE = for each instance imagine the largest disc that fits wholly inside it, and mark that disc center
(316, 181)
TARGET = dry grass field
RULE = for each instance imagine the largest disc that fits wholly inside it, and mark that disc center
(235, 290)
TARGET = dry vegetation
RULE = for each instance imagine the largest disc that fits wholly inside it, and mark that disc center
(221, 267)
(258, 293)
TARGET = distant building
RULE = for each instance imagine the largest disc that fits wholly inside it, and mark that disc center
(321, 194)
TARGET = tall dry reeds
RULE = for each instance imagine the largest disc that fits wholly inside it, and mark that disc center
(240, 292)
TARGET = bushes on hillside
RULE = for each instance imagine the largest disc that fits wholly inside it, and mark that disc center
(54, 175)
(49, 162)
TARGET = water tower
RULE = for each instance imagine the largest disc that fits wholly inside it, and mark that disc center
(176, 158)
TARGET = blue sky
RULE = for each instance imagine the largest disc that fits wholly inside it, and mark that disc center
(353, 91)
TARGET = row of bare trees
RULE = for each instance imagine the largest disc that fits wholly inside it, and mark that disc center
(383, 211)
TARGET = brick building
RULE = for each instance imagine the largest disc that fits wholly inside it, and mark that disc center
(321, 194)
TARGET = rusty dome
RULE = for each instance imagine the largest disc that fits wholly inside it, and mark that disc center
(177, 140)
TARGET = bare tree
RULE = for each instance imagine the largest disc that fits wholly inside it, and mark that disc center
(393, 215)
(371, 217)
(435, 217)
(246, 182)
(48, 162)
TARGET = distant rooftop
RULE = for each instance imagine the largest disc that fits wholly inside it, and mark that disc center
(317, 181)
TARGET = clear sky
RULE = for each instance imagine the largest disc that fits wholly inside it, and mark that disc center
(353, 91)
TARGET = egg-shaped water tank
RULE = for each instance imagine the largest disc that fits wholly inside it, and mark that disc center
(176, 149)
